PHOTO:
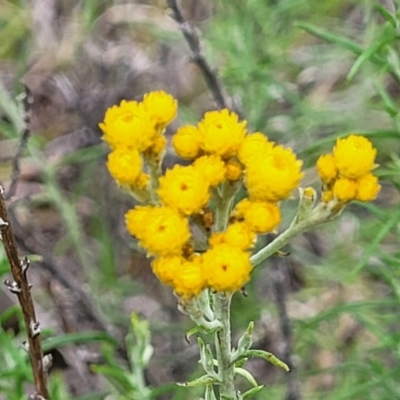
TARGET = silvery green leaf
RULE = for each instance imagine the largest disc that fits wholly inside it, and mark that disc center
(253, 391)
(244, 342)
(209, 393)
(206, 358)
(246, 374)
(266, 356)
(203, 380)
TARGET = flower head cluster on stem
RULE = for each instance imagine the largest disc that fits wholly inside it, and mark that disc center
(223, 157)
(200, 221)
(346, 173)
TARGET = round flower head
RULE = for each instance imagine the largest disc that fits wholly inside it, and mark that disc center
(128, 125)
(227, 268)
(367, 188)
(162, 231)
(239, 235)
(161, 106)
(233, 170)
(326, 167)
(184, 188)
(136, 220)
(124, 165)
(260, 216)
(241, 208)
(327, 196)
(221, 133)
(167, 268)
(186, 142)
(254, 146)
(159, 144)
(190, 281)
(212, 168)
(216, 239)
(275, 176)
(344, 189)
(354, 156)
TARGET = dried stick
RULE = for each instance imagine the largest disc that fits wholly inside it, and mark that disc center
(21, 288)
(193, 41)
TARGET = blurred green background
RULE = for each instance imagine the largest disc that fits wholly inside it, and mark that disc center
(302, 71)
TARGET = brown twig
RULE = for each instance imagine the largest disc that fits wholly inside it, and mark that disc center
(21, 288)
(193, 41)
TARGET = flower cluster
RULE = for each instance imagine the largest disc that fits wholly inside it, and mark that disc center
(189, 221)
(133, 130)
(346, 173)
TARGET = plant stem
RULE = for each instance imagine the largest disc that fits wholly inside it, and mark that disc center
(222, 304)
(22, 289)
(321, 214)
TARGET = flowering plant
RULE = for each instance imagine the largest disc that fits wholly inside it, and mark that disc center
(200, 222)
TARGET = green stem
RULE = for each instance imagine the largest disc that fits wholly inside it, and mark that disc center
(321, 214)
(221, 212)
(222, 302)
(226, 373)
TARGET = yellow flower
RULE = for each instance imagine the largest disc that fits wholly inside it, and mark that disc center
(159, 144)
(142, 180)
(326, 167)
(354, 156)
(273, 177)
(161, 106)
(237, 235)
(212, 168)
(367, 188)
(124, 165)
(233, 170)
(161, 230)
(167, 268)
(344, 189)
(260, 216)
(241, 208)
(136, 220)
(186, 142)
(221, 133)
(216, 239)
(327, 196)
(240, 236)
(184, 188)
(226, 268)
(190, 280)
(254, 146)
(128, 125)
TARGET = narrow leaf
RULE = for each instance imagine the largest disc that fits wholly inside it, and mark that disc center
(247, 375)
(268, 357)
(253, 391)
(386, 14)
(203, 380)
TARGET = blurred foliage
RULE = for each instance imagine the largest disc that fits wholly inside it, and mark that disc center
(302, 71)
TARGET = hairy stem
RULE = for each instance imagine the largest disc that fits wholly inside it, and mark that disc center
(321, 214)
(223, 346)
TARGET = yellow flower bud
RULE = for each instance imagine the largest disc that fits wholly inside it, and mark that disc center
(344, 189)
(326, 167)
(367, 188)
(186, 142)
(354, 156)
